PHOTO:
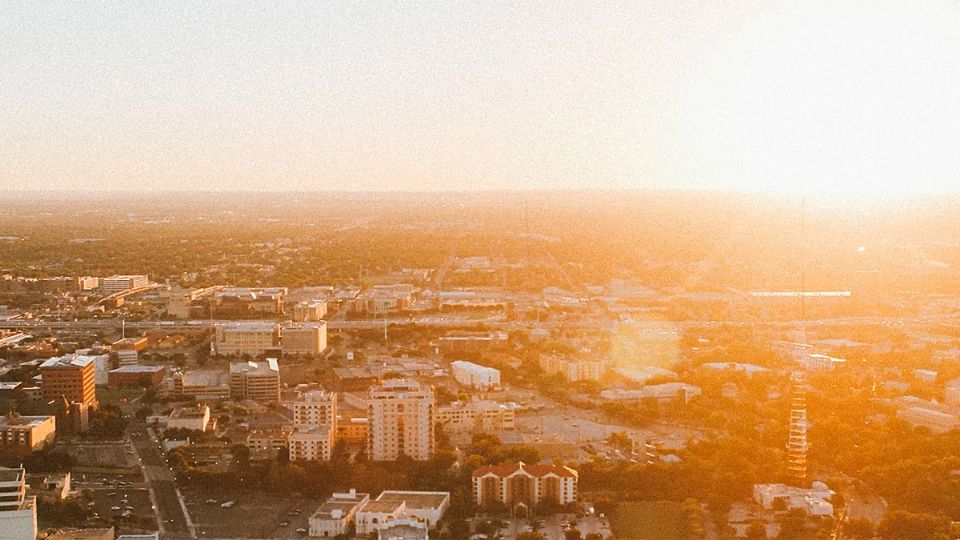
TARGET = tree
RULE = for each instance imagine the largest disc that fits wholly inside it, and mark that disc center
(593, 536)
(531, 535)
(859, 528)
(572, 534)
(902, 525)
(757, 531)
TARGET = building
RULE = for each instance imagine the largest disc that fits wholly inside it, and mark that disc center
(470, 342)
(401, 416)
(83, 534)
(951, 393)
(267, 442)
(355, 378)
(663, 393)
(522, 487)
(304, 339)
(257, 381)
(192, 418)
(27, 433)
(137, 376)
(201, 384)
(476, 416)
(311, 443)
(314, 426)
(475, 375)
(69, 377)
(337, 514)
(383, 299)
(310, 310)
(245, 302)
(427, 507)
(929, 416)
(353, 430)
(130, 344)
(18, 512)
(250, 338)
(116, 284)
(50, 487)
(403, 528)
(571, 368)
(813, 501)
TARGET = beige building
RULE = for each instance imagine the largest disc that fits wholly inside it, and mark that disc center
(26, 432)
(310, 310)
(571, 368)
(401, 417)
(476, 416)
(251, 338)
(334, 517)
(257, 381)
(521, 487)
(304, 338)
(311, 443)
(427, 507)
(314, 426)
(193, 418)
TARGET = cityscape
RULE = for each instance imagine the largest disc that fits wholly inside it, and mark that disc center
(459, 270)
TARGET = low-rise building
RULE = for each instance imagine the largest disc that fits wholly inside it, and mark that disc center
(137, 376)
(192, 418)
(267, 442)
(571, 368)
(27, 433)
(476, 417)
(521, 487)
(337, 514)
(425, 506)
(475, 375)
(403, 528)
(201, 384)
(666, 392)
(310, 310)
(121, 283)
(311, 443)
(814, 501)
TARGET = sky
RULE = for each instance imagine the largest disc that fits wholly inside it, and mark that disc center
(851, 98)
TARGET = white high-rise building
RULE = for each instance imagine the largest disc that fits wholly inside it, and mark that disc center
(115, 284)
(18, 513)
(314, 426)
(401, 421)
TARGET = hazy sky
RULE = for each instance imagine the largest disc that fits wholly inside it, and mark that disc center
(797, 96)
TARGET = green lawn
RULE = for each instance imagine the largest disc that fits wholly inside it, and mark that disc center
(657, 520)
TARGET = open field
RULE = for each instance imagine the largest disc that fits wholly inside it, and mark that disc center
(657, 520)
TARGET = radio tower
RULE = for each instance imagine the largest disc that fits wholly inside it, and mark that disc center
(797, 441)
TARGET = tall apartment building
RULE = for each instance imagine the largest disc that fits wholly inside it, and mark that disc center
(257, 381)
(521, 487)
(304, 338)
(115, 284)
(401, 417)
(571, 368)
(252, 338)
(18, 513)
(69, 377)
(314, 426)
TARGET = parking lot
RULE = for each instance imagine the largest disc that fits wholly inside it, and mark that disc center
(251, 515)
(108, 455)
(553, 526)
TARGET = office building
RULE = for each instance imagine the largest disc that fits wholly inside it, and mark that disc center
(18, 512)
(245, 302)
(304, 338)
(116, 284)
(401, 416)
(337, 514)
(193, 418)
(521, 487)
(201, 384)
(250, 338)
(475, 375)
(70, 377)
(137, 376)
(27, 433)
(257, 381)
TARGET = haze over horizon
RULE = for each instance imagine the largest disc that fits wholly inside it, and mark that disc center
(848, 100)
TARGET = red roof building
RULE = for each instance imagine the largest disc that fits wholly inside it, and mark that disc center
(521, 487)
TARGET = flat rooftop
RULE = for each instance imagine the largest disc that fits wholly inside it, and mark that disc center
(429, 500)
(138, 369)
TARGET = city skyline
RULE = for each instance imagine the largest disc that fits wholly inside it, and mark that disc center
(850, 101)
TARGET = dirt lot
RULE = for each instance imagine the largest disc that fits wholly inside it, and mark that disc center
(261, 513)
(102, 455)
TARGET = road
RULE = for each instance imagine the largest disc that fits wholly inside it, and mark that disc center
(163, 487)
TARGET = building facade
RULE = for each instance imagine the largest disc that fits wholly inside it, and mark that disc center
(257, 381)
(521, 487)
(476, 417)
(304, 339)
(115, 284)
(475, 375)
(28, 433)
(70, 377)
(401, 421)
(18, 512)
(251, 338)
